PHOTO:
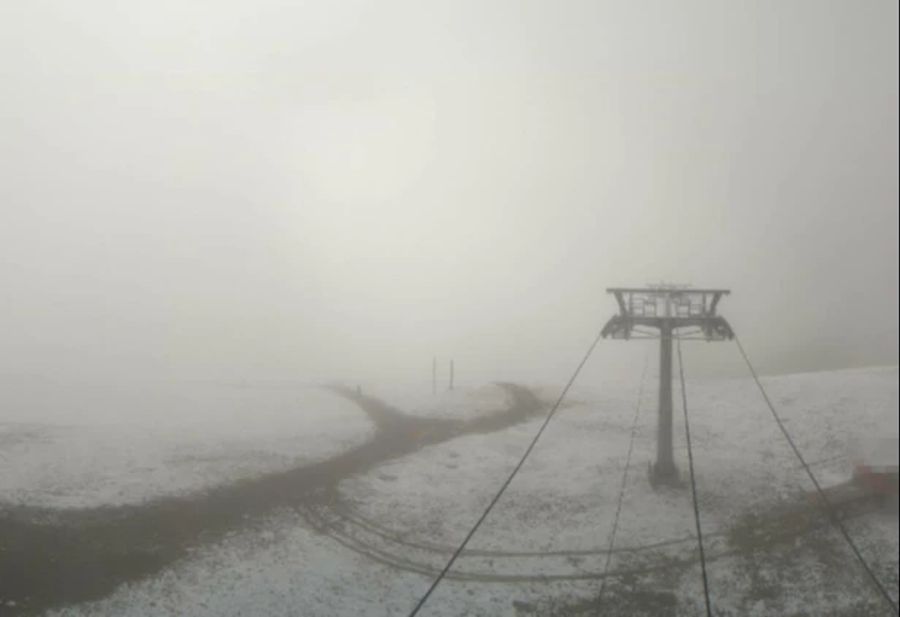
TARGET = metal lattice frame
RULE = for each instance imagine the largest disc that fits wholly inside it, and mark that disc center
(676, 307)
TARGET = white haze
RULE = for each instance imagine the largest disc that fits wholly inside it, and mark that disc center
(341, 190)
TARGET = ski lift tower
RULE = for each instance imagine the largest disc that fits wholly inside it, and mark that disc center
(659, 312)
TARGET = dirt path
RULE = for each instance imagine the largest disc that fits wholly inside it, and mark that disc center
(51, 558)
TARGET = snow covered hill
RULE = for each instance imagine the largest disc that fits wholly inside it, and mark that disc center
(372, 549)
(87, 445)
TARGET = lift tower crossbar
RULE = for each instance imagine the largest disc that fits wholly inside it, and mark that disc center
(659, 312)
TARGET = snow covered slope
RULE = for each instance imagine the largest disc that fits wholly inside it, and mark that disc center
(84, 445)
(407, 513)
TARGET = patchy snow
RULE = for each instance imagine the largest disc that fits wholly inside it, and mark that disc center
(564, 499)
(80, 445)
(280, 567)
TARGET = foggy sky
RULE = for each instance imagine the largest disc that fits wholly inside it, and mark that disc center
(322, 190)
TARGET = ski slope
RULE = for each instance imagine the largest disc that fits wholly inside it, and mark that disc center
(410, 510)
(80, 445)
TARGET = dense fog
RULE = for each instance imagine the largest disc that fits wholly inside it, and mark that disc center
(314, 191)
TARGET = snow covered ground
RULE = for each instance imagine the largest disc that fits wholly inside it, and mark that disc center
(563, 500)
(84, 445)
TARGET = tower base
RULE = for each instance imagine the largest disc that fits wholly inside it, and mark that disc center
(661, 474)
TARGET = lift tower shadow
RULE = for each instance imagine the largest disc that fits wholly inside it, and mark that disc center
(663, 312)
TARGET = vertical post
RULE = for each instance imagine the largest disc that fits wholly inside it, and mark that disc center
(433, 376)
(664, 470)
(451, 374)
